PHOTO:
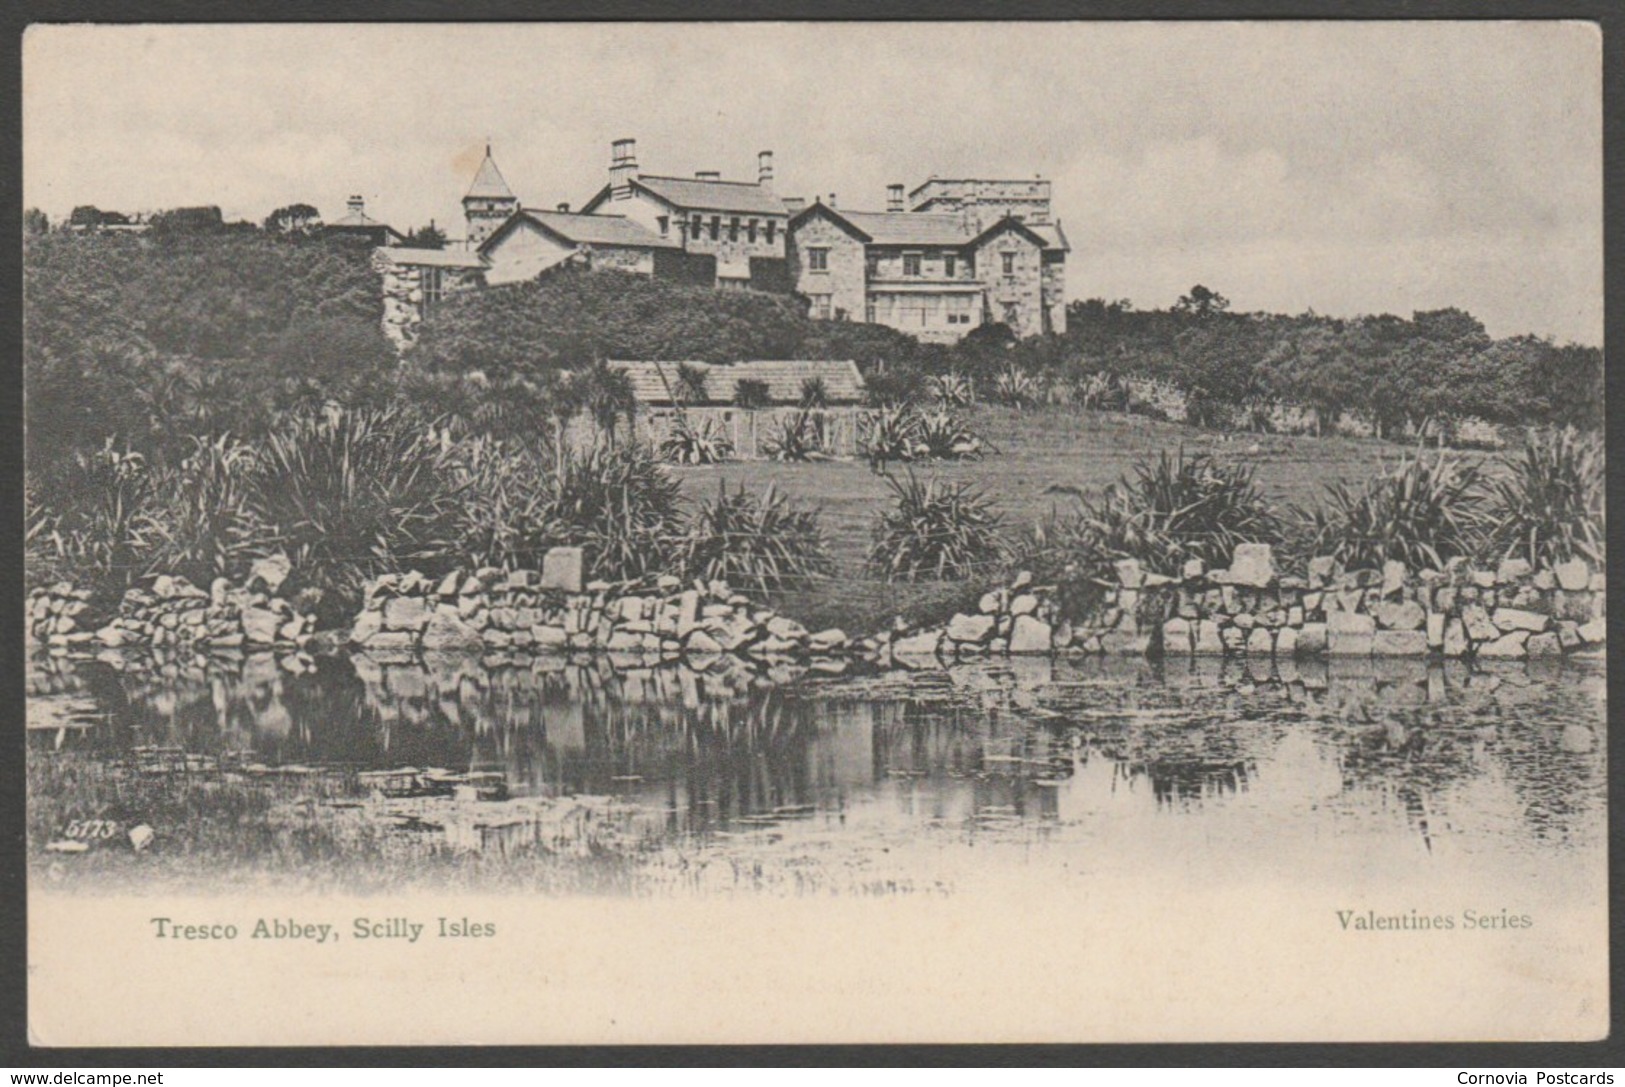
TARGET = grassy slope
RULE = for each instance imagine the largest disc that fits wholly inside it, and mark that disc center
(1039, 449)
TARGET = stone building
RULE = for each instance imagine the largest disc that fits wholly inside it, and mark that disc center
(416, 280)
(732, 232)
(954, 262)
(356, 223)
(532, 241)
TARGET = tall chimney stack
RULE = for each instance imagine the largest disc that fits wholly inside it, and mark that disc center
(356, 204)
(565, 207)
(623, 168)
(831, 201)
(894, 198)
(764, 168)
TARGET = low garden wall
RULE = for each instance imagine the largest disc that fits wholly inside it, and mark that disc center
(1248, 609)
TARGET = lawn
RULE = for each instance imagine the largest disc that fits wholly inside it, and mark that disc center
(1039, 451)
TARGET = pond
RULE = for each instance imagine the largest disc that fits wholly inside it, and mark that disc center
(601, 777)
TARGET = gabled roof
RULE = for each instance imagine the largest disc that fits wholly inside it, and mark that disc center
(577, 228)
(433, 258)
(912, 227)
(653, 382)
(1010, 222)
(488, 181)
(529, 266)
(360, 221)
(698, 195)
(926, 228)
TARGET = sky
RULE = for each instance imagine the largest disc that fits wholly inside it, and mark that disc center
(1346, 168)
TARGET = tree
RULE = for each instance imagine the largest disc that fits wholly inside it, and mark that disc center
(606, 394)
(35, 222)
(85, 215)
(294, 220)
(180, 221)
(427, 237)
(1202, 302)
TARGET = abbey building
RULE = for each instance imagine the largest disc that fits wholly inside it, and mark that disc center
(951, 255)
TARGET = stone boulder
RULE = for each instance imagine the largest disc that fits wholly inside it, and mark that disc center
(974, 629)
(1252, 564)
(1030, 635)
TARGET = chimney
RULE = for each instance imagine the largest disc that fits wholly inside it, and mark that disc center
(831, 201)
(708, 175)
(356, 204)
(565, 207)
(894, 198)
(623, 168)
(764, 168)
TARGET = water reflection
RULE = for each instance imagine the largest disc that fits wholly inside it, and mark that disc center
(1468, 760)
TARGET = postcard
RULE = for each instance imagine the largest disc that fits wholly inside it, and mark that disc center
(815, 532)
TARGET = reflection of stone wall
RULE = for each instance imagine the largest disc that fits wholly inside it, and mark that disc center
(1514, 611)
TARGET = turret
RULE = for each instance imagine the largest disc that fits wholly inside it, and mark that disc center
(489, 201)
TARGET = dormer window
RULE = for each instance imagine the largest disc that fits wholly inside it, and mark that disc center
(716, 227)
(772, 229)
(665, 225)
(911, 264)
(750, 231)
(695, 227)
(733, 229)
(949, 265)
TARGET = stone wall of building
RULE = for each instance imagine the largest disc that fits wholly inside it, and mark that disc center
(1023, 288)
(1053, 289)
(402, 287)
(845, 282)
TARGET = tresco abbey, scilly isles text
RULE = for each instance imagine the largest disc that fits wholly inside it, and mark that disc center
(361, 928)
(1416, 921)
(1521, 1079)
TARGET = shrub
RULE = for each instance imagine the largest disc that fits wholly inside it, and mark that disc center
(504, 518)
(688, 443)
(1172, 509)
(814, 393)
(795, 437)
(95, 529)
(350, 494)
(764, 544)
(953, 390)
(691, 382)
(890, 434)
(1549, 505)
(752, 392)
(943, 435)
(621, 505)
(1423, 512)
(936, 531)
(204, 522)
(1016, 388)
(896, 386)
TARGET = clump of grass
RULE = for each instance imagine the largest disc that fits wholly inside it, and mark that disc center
(936, 530)
(691, 443)
(621, 505)
(1550, 504)
(1016, 388)
(765, 543)
(505, 518)
(691, 385)
(1170, 510)
(349, 494)
(795, 437)
(203, 522)
(942, 435)
(95, 530)
(1423, 512)
(814, 393)
(953, 390)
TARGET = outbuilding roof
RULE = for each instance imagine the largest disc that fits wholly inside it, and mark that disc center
(433, 258)
(654, 382)
(582, 229)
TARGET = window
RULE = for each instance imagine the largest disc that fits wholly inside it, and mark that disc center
(820, 306)
(817, 259)
(694, 230)
(433, 287)
(911, 264)
(750, 231)
(1009, 263)
(772, 229)
(949, 265)
(869, 311)
(665, 225)
(733, 229)
(716, 227)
